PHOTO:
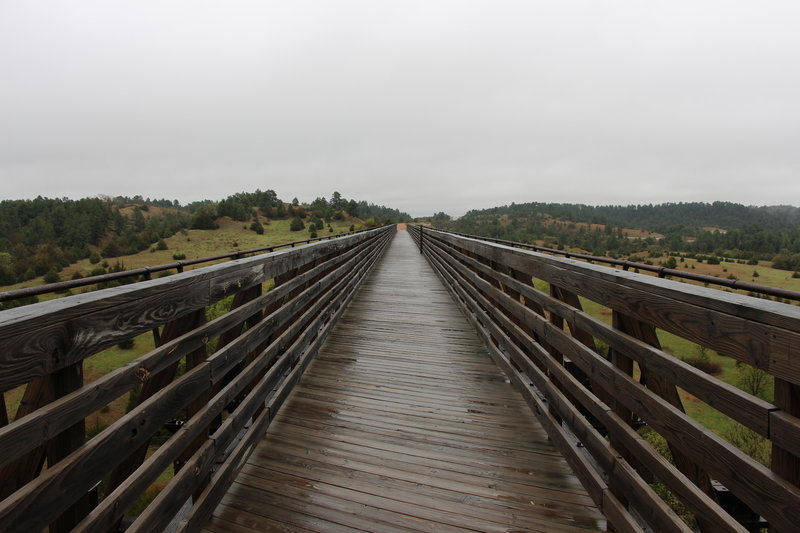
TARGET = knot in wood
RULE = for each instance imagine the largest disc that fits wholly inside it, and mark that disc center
(142, 374)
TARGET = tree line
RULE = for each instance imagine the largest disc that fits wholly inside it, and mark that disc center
(716, 229)
(39, 237)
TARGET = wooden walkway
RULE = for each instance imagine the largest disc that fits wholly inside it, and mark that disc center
(404, 423)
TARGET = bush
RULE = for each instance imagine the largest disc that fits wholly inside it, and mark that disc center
(749, 442)
(257, 227)
(52, 276)
(296, 224)
(94, 258)
(126, 344)
(179, 257)
(706, 366)
(161, 245)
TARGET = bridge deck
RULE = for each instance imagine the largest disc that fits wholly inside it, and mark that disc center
(403, 422)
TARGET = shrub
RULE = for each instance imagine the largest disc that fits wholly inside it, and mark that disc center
(179, 257)
(94, 258)
(749, 442)
(126, 344)
(706, 366)
(161, 245)
(296, 224)
(257, 227)
(52, 276)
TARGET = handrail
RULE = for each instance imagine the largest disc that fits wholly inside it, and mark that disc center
(217, 383)
(591, 402)
(147, 271)
(660, 271)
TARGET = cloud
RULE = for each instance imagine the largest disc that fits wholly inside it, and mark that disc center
(425, 106)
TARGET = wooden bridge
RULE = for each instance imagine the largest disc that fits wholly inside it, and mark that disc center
(340, 388)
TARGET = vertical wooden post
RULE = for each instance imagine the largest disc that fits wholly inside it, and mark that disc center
(65, 381)
(668, 391)
(38, 393)
(3, 411)
(155, 383)
(785, 463)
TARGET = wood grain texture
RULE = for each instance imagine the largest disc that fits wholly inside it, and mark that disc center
(41, 338)
(758, 332)
(506, 335)
(774, 498)
(403, 422)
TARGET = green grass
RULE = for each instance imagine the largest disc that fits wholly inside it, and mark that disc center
(230, 237)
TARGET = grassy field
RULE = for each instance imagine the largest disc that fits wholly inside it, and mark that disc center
(230, 237)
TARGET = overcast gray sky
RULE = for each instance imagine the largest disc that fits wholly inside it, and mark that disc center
(420, 105)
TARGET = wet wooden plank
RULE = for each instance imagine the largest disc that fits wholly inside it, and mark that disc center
(404, 423)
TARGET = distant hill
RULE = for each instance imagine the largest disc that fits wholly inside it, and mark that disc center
(721, 228)
(661, 218)
(40, 237)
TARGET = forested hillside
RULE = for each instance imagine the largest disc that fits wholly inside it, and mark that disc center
(720, 228)
(40, 237)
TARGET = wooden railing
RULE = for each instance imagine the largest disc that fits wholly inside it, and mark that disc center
(218, 401)
(591, 401)
(146, 272)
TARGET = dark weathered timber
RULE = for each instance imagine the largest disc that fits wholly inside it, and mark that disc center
(751, 411)
(303, 306)
(403, 422)
(40, 339)
(493, 284)
(560, 417)
(619, 429)
(755, 331)
(661, 271)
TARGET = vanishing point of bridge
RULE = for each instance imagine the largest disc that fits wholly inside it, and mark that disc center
(396, 381)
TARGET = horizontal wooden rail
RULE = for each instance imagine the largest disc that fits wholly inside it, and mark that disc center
(660, 271)
(591, 402)
(218, 383)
